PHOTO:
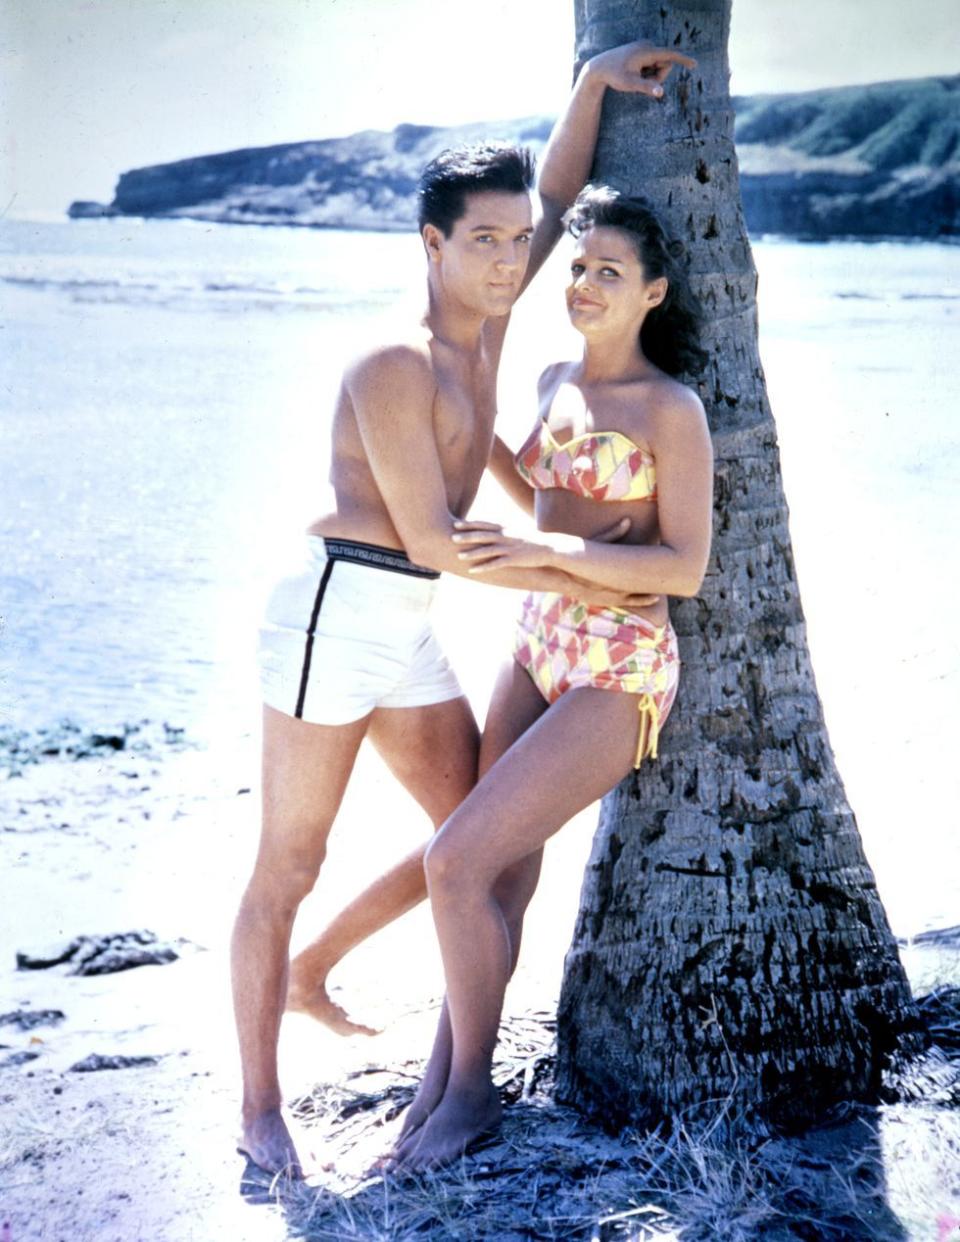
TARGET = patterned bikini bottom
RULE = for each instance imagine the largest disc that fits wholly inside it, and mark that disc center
(565, 644)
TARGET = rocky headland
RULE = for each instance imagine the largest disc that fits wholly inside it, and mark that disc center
(871, 161)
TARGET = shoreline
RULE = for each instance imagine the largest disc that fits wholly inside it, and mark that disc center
(62, 216)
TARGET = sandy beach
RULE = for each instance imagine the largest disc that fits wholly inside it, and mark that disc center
(164, 831)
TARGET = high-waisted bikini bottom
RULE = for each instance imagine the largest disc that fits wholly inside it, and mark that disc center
(564, 644)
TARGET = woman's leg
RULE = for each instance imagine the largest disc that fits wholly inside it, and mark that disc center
(577, 751)
(514, 706)
(432, 751)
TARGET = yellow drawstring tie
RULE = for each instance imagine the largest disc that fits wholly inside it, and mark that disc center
(649, 729)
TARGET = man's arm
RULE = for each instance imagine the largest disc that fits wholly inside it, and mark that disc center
(674, 566)
(392, 392)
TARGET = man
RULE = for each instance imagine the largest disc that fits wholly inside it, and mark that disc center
(347, 649)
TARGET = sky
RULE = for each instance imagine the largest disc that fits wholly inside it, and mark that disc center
(91, 88)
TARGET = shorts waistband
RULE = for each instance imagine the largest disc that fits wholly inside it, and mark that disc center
(375, 557)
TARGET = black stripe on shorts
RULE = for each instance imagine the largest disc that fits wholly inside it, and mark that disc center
(311, 631)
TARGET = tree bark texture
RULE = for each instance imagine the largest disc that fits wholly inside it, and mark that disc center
(730, 939)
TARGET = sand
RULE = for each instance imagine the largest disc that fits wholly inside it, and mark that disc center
(159, 835)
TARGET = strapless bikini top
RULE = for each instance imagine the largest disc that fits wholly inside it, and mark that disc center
(601, 465)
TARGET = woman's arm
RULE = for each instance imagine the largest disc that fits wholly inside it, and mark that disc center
(395, 387)
(637, 68)
(674, 566)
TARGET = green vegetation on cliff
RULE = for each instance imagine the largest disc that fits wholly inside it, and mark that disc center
(870, 160)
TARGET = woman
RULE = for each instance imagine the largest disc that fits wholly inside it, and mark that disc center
(589, 688)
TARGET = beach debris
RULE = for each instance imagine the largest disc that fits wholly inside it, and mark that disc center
(103, 955)
(27, 1019)
(940, 1011)
(110, 741)
(18, 1058)
(97, 1061)
(20, 748)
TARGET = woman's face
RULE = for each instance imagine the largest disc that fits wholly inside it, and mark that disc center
(609, 293)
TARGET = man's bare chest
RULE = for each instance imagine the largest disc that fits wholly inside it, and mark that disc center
(463, 417)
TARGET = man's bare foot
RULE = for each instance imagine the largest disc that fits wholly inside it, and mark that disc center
(315, 1001)
(455, 1124)
(267, 1142)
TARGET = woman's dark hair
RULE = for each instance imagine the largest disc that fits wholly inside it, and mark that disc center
(670, 335)
(447, 180)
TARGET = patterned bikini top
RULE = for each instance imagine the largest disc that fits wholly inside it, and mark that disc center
(601, 465)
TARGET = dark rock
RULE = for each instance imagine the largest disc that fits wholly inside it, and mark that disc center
(874, 160)
(43, 959)
(18, 1058)
(97, 1061)
(111, 960)
(19, 748)
(940, 936)
(84, 209)
(27, 1019)
(103, 955)
(945, 937)
(109, 741)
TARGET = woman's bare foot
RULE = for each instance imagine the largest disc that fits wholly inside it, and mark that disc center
(266, 1141)
(429, 1094)
(456, 1122)
(313, 999)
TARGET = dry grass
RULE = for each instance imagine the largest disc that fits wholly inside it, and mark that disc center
(28, 1138)
(873, 1174)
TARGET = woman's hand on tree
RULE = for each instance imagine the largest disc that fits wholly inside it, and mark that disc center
(638, 68)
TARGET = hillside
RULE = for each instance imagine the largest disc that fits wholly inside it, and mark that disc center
(874, 160)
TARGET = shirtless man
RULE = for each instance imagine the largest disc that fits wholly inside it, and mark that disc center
(347, 650)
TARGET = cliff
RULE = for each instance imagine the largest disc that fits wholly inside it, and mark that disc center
(867, 161)
(878, 160)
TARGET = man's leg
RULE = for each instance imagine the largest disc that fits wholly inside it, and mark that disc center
(305, 772)
(432, 751)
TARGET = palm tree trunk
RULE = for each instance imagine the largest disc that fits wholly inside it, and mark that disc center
(730, 939)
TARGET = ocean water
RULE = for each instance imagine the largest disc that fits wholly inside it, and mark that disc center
(164, 403)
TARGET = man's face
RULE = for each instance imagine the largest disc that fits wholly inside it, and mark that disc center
(483, 261)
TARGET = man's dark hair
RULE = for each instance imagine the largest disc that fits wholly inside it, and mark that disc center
(488, 166)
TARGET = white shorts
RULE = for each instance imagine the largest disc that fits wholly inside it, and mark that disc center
(349, 631)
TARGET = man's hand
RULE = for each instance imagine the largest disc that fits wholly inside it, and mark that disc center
(486, 546)
(639, 68)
